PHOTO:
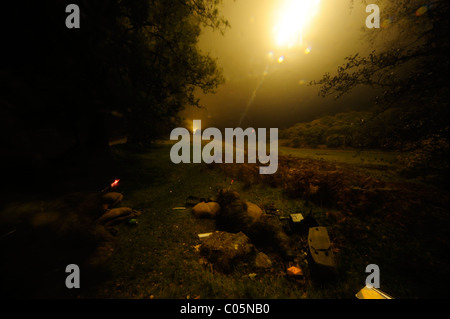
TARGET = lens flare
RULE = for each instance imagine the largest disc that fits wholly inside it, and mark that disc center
(308, 50)
(281, 59)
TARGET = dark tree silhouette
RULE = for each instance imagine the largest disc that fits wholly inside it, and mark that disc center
(132, 61)
(408, 66)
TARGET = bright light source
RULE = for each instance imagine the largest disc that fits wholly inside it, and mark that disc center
(293, 18)
(115, 183)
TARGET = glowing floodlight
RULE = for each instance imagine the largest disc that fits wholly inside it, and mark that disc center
(294, 16)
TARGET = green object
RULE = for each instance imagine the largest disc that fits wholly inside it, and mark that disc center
(133, 221)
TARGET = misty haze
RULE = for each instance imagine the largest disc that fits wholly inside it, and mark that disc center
(133, 152)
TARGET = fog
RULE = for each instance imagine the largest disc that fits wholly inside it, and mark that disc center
(262, 92)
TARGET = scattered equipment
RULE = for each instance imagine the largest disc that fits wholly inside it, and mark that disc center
(204, 235)
(295, 221)
(372, 293)
(320, 247)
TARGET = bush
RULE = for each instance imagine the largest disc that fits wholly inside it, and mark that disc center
(335, 141)
(345, 189)
(428, 158)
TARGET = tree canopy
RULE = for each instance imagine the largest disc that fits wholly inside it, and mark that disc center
(136, 58)
(407, 64)
(133, 63)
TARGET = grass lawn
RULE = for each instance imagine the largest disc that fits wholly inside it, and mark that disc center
(159, 257)
(370, 157)
(376, 163)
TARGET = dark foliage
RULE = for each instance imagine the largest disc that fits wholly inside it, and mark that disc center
(129, 69)
(350, 191)
(408, 68)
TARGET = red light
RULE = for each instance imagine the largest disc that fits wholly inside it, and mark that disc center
(115, 183)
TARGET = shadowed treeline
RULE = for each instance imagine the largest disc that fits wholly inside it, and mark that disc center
(127, 71)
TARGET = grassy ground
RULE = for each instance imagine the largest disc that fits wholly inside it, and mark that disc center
(159, 257)
(371, 157)
(376, 163)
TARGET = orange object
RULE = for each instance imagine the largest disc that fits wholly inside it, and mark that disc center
(294, 271)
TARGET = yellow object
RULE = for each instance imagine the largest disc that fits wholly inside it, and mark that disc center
(372, 293)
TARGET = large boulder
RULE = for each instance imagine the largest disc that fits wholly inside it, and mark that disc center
(118, 215)
(205, 210)
(224, 250)
(263, 261)
(254, 211)
(111, 199)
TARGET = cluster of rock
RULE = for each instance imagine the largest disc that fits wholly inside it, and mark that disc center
(111, 216)
(243, 228)
(82, 220)
(225, 249)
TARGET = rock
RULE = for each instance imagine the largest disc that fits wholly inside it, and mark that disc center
(215, 207)
(224, 250)
(111, 199)
(262, 261)
(254, 211)
(119, 219)
(201, 210)
(116, 214)
(206, 210)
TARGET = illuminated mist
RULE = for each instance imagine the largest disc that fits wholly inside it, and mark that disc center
(271, 52)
